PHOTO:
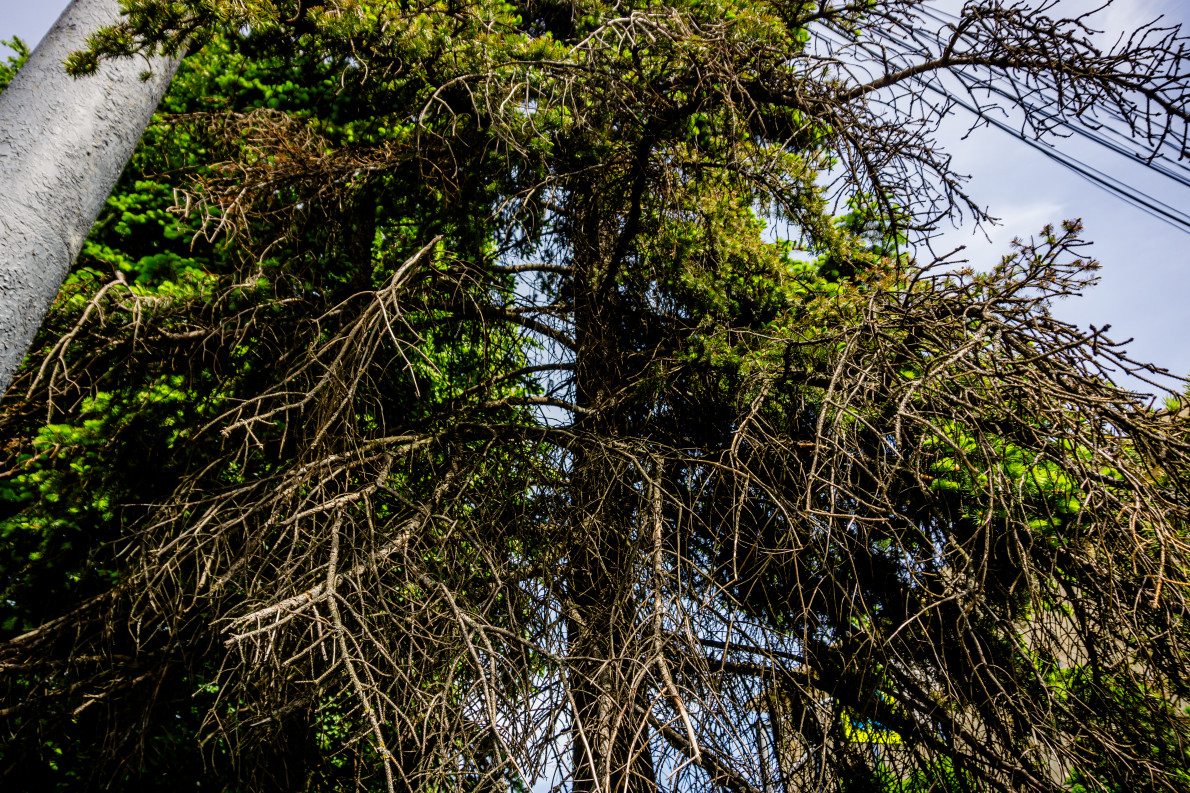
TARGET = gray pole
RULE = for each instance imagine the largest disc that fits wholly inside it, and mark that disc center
(63, 144)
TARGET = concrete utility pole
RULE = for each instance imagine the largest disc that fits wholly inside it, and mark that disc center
(63, 144)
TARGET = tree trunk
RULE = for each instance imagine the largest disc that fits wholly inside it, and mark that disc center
(63, 144)
(610, 747)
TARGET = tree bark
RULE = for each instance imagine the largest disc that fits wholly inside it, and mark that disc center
(63, 144)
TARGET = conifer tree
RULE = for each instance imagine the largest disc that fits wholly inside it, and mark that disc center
(508, 445)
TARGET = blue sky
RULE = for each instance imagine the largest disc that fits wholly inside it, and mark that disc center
(1145, 288)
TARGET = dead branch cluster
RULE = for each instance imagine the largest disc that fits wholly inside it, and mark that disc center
(928, 514)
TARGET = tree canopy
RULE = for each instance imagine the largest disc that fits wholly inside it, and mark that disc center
(474, 396)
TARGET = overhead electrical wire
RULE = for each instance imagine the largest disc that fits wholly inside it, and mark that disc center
(1133, 195)
(1178, 170)
(1119, 142)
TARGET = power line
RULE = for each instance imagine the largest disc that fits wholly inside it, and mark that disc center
(1105, 135)
(1133, 195)
(1154, 159)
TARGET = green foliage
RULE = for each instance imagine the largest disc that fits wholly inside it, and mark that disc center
(13, 62)
(76, 478)
(1139, 719)
(124, 426)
